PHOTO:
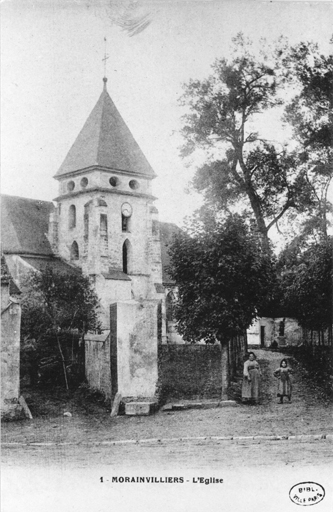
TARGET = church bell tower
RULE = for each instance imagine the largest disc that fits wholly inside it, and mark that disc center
(105, 209)
(107, 225)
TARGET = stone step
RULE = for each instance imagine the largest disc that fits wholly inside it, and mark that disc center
(209, 404)
(139, 408)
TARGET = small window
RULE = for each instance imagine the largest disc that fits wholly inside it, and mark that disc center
(70, 186)
(72, 217)
(134, 185)
(104, 225)
(125, 223)
(114, 181)
(84, 182)
(126, 256)
(74, 251)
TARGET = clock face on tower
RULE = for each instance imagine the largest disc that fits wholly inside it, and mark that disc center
(126, 210)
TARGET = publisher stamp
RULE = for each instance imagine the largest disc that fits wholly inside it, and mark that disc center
(307, 493)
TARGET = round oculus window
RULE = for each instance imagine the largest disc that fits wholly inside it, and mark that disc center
(134, 185)
(70, 186)
(84, 182)
(114, 181)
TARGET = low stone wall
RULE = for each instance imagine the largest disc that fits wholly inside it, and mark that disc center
(189, 371)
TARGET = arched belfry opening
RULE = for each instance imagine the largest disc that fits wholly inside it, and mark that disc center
(74, 255)
(72, 217)
(127, 256)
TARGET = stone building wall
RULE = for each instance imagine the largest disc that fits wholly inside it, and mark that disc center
(10, 353)
(93, 258)
(283, 331)
(133, 343)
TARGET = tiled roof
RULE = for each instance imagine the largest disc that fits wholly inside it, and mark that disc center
(24, 225)
(167, 232)
(105, 140)
(56, 264)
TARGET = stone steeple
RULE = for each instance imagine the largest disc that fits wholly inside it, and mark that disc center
(105, 141)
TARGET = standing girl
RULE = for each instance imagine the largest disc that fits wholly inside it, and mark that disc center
(285, 385)
(251, 380)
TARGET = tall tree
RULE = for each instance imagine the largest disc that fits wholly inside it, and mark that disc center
(222, 276)
(311, 115)
(240, 164)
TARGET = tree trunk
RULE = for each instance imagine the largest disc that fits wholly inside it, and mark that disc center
(63, 362)
(255, 203)
(224, 370)
(246, 348)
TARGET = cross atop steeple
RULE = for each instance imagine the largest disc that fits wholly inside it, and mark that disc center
(106, 56)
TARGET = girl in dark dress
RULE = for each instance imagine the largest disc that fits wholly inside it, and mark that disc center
(285, 384)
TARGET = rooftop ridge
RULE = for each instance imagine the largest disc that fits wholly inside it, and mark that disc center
(25, 198)
(105, 140)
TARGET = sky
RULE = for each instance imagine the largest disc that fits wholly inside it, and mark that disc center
(52, 70)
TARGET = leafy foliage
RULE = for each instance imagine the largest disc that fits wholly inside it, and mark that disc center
(54, 304)
(58, 301)
(311, 115)
(310, 111)
(306, 281)
(223, 278)
(242, 167)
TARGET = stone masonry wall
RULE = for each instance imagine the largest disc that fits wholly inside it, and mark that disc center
(10, 354)
(95, 259)
(189, 371)
(137, 348)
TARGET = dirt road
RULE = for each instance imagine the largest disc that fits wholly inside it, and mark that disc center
(72, 454)
(308, 413)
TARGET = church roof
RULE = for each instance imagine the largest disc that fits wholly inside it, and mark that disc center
(56, 264)
(106, 141)
(24, 226)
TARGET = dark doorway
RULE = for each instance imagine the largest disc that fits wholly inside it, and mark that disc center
(281, 328)
(262, 336)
